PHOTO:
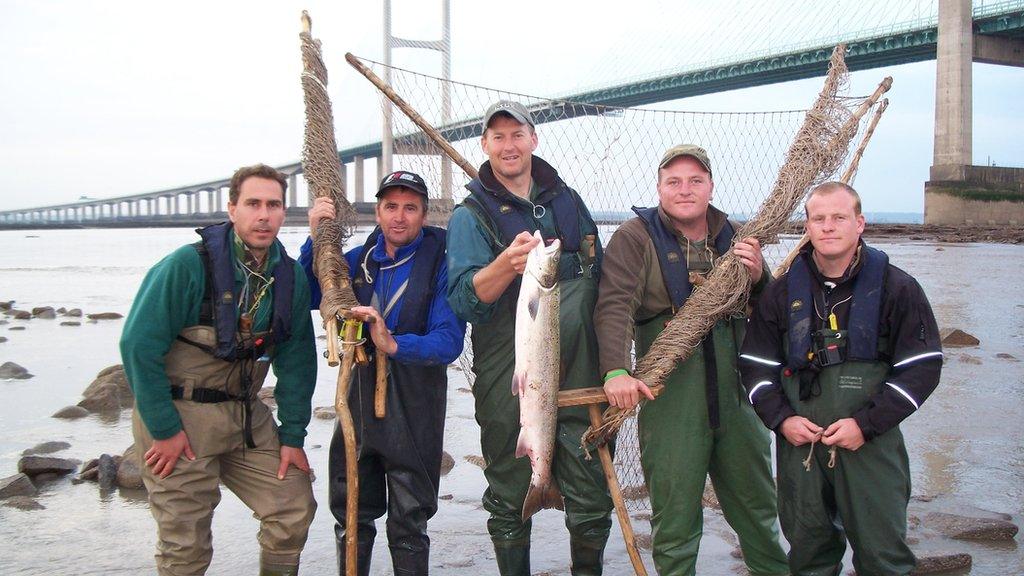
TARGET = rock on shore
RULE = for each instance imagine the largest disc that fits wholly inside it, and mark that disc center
(104, 316)
(108, 392)
(34, 466)
(71, 412)
(12, 371)
(970, 528)
(955, 337)
(18, 485)
(936, 563)
(46, 448)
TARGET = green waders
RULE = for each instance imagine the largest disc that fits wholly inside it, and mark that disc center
(865, 495)
(679, 450)
(587, 502)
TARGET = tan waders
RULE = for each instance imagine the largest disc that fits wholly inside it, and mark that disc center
(679, 449)
(182, 503)
(863, 497)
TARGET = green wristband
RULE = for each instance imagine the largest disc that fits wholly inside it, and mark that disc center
(613, 373)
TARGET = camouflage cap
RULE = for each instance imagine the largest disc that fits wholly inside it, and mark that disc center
(691, 150)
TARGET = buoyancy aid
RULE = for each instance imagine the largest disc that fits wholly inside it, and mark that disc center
(419, 294)
(677, 282)
(498, 211)
(220, 308)
(865, 310)
(673, 264)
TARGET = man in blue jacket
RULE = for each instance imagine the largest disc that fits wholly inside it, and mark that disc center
(400, 277)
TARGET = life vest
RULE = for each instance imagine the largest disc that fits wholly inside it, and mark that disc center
(219, 307)
(865, 309)
(419, 294)
(673, 264)
(508, 221)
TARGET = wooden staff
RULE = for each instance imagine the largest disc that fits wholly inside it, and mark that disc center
(349, 434)
(380, 392)
(594, 396)
(848, 176)
(413, 115)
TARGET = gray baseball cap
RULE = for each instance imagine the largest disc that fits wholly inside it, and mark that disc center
(513, 109)
(691, 150)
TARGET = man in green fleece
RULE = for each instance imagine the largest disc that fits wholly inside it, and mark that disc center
(208, 322)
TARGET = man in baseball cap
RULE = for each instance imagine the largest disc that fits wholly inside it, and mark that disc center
(516, 194)
(399, 278)
(701, 423)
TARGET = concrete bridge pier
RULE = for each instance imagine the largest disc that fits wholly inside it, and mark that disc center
(958, 192)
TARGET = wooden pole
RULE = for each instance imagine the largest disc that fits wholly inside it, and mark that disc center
(592, 398)
(413, 115)
(380, 392)
(349, 434)
(628, 536)
(847, 178)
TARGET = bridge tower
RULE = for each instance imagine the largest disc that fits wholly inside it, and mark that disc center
(444, 46)
(957, 191)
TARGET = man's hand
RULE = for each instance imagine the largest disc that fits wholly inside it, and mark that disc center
(379, 332)
(517, 252)
(291, 456)
(164, 454)
(844, 433)
(799, 430)
(748, 251)
(323, 207)
(624, 391)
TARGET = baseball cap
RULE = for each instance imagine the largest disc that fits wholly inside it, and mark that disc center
(691, 150)
(513, 109)
(409, 180)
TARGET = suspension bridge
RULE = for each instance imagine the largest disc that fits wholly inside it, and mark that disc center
(958, 192)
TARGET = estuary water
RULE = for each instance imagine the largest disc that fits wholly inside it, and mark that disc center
(966, 443)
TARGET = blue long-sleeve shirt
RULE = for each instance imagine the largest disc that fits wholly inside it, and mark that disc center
(445, 334)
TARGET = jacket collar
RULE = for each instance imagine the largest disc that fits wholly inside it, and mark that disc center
(380, 253)
(716, 222)
(544, 176)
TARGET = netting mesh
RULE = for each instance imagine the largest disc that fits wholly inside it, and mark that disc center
(610, 156)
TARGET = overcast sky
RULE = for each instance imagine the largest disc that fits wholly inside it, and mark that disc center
(111, 98)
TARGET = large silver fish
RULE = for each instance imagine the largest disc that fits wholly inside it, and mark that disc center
(535, 379)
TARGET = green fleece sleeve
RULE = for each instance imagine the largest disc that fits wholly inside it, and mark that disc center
(469, 250)
(168, 300)
(295, 367)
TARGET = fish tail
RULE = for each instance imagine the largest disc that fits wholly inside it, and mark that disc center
(540, 497)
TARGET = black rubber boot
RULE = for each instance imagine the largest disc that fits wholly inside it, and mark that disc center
(364, 553)
(408, 562)
(587, 557)
(513, 558)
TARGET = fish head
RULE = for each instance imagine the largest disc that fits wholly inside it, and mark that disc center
(542, 262)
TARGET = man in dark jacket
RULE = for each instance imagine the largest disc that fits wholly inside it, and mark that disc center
(400, 277)
(840, 350)
(208, 322)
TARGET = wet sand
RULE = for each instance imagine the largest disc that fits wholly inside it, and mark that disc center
(965, 443)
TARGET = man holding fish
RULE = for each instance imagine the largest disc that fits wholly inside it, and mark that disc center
(701, 424)
(521, 358)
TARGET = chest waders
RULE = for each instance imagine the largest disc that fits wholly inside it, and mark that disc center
(215, 376)
(582, 484)
(399, 455)
(702, 425)
(863, 496)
